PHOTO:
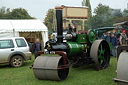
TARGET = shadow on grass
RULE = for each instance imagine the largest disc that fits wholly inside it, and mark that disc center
(26, 63)
(85, 67)
(5, 66)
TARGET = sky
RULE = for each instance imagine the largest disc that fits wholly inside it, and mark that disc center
(39, 8)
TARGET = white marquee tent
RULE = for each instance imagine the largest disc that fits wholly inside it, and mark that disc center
(12, 28)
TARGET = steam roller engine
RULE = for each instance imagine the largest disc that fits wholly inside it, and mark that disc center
(78, 50)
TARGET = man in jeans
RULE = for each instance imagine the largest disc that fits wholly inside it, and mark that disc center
(37, 47)
(114, 44)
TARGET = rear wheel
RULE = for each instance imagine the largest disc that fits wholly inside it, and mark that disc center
(17, 61)
(100, 54)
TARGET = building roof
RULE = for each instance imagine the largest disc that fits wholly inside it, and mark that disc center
(24, 25)
(74, 6)
(106, 28)
(122, 23)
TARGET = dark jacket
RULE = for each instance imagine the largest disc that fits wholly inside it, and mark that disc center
(108, 39)
(114, 41)
(34, 46)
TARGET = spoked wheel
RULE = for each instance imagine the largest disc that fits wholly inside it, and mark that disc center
(100, 54)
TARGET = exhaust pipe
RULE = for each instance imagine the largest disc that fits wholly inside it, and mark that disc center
(59, 24)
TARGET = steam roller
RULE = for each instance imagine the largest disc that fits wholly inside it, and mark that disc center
(122, 68)
(78, 50)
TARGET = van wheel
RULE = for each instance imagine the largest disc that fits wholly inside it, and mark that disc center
(17, 61)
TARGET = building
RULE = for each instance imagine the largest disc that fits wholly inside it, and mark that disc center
(76, 16)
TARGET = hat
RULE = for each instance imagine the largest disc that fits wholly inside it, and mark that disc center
(123, 31)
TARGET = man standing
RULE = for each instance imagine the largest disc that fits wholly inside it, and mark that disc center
(37, 47)
(123, 38)
(114, 44)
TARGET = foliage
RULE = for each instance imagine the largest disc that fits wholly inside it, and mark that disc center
(117, 12)
(4, 13)
(18, 13)
(48, 21)
(121, 19)
(85, 75)
(89, 21)
(125, 13)
(87, 3)
(103, 16)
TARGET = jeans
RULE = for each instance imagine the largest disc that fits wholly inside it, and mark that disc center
(35, 53)
(114, 51)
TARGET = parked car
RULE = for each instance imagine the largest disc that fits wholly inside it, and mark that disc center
(14, 51)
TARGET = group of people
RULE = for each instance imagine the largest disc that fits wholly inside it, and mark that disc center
(116, 41)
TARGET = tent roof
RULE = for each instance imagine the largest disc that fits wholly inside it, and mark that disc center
(5, 26)
(24, 25)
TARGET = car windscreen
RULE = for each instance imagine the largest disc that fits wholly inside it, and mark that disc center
(20, 43)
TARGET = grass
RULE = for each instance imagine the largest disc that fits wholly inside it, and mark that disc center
(85, 75)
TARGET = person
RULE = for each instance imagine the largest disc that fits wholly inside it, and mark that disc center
(37, 47)
(104, 36)
(108, 38)
(123, 38)
(69, 28)
(114, 44)
(75, 28)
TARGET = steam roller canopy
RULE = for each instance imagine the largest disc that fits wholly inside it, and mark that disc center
(100, 53)
(46, 67)
(122, 69)
(91, 35)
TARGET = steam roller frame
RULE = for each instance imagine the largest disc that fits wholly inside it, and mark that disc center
(51, 67)
(100, 54)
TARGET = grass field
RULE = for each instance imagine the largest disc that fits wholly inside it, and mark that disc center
(85, 75)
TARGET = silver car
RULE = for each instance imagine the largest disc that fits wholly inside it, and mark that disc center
(14, 51)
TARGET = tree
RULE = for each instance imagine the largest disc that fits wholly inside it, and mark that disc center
(117, 12)
(87, 3)
(48, 21)
(103, 16)
(125, 13)
(88, 24)
(4, 13)
(18, 13)
(121, 19)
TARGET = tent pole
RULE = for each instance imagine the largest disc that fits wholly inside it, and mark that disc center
(13, 29)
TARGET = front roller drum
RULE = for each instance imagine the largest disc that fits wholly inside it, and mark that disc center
(50, 68)
(122, 69)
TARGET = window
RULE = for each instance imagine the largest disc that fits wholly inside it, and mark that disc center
(6, 44)
(21, 43)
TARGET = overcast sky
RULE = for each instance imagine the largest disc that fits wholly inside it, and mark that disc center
(38, 8)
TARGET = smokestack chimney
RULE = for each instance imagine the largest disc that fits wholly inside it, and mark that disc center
(59, 24)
